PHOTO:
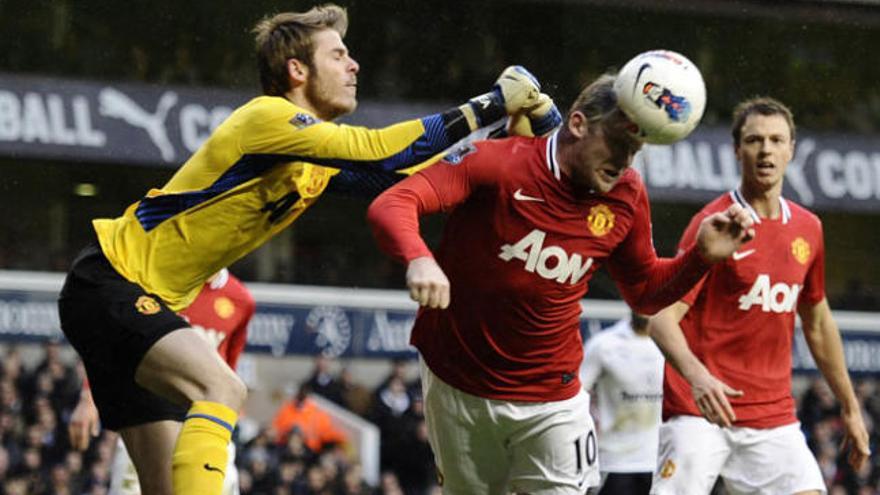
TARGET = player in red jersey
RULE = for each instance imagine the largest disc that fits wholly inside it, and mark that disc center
(531, 219)
(220, 314)
(731, 337)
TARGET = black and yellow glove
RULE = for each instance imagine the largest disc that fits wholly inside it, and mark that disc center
(541, 120)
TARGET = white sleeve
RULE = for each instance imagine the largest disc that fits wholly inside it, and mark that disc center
(591, 367)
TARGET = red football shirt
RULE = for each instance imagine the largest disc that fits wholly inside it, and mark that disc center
(221, 313)
(518, 248)
(741, 318)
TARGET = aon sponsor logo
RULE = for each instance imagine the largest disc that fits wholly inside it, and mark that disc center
(778, 298)
(551, 262)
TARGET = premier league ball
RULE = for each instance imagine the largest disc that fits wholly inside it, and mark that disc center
(663, 94)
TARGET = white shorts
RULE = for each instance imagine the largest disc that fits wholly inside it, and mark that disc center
(124, 478)
(497, 447)
(693, 453)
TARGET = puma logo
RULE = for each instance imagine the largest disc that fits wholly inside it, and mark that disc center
(118, 105)
(209, 467)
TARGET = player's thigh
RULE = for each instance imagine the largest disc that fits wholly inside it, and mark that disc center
(626, 483)
(690, 456)
(183, 366)
(112, 324)
(150, 447)
(772, 461)
(469, 456)
(552, 446)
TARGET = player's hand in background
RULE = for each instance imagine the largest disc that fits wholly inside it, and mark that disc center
(711, 395)
(518, 89)
(722, 233)
(856, 439)
(84, 423)
(427, 283)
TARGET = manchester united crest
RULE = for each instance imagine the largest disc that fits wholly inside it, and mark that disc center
(668, 469)
(600, 220)
(224, 307)
(318, 179)
(146, 305)
(800, 249)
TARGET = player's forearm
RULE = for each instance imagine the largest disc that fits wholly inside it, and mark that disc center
(667, 334)
(394, 219)
(441, 131)
(667, 281)
(823, 338)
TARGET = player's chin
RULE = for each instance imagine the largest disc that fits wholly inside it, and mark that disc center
(342, 107)
(603, 185)
(349, 104)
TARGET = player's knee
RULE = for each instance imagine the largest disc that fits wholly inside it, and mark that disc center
(228, 390)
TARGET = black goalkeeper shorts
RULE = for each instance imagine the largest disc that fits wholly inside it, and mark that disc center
(112, 323)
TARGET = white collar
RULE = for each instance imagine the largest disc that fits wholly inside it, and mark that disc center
(219, 281)
(550, 155)
(737, 197)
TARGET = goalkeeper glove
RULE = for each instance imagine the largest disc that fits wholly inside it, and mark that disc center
(518, 89)
(541, 120)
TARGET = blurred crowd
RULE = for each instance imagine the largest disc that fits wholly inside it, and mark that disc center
(819, 414)
(298, 453)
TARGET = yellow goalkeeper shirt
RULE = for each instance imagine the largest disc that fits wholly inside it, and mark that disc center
(255, 175)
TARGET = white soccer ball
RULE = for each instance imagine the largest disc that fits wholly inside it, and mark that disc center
(663, 93)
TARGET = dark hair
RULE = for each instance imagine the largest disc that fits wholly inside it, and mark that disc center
(598, 102)
(761, 105)
(638, 321)
(289, 35)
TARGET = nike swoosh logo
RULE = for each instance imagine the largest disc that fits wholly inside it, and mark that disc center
(209, 467)
(519, 196)
(644, 67)
(740, 255)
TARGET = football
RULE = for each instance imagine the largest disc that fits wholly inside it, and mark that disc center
(663, 94)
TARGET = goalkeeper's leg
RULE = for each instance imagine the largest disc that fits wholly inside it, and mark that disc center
(143, 464)
(182, 366)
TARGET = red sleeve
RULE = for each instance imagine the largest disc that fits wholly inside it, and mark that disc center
(646, 282)
(394, 215)
(814, 282)
(688, 239)
(238, 338)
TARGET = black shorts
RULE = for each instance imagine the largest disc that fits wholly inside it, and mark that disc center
(629, 483)
(112, 323)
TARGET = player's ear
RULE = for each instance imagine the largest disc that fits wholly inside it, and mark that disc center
(297, 71)
(578, 125)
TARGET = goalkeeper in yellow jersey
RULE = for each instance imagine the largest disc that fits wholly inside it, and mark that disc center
(258, 171)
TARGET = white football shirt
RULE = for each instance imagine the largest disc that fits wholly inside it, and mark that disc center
(624, 370)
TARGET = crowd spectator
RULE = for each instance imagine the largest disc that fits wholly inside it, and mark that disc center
(36, 460)
(302, 415)
(818, 413)
(324, 382)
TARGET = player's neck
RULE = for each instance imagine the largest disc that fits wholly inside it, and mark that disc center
(765, 202)
(297, 96)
